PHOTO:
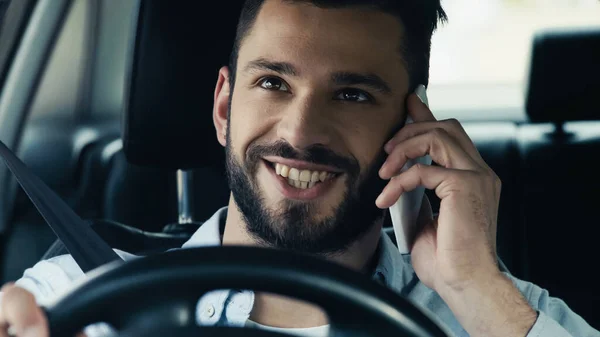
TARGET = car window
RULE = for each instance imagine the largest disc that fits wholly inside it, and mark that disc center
(113, 42)
(62, 82)
(480, 58)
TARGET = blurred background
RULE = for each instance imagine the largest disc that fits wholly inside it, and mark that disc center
(480, 58)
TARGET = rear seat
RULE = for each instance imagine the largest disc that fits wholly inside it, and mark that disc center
(560, 198)
(147, 197)
(561, 182)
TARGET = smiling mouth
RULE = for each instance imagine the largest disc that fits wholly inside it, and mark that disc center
(302, 179)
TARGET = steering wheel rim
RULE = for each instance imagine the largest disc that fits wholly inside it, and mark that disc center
(117, 293)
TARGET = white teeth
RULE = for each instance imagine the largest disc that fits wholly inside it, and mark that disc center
(304, 176)
(294, 174)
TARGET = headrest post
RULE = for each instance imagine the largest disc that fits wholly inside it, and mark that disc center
(185, 196)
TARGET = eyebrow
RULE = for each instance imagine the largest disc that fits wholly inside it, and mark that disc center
(368, 80)
(283, 68)
(339, 78)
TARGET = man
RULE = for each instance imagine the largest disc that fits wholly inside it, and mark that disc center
(311, 112)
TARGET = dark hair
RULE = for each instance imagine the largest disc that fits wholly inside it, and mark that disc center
(419, 19)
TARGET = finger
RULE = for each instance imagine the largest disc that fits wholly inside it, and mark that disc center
(20, 310)
(437, 143)
(417, 110)
(431, 177)
(3, 291)
(452, 127)
(3, 324)
(7, 286)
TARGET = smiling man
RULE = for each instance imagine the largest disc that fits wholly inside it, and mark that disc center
(310, 98)
(311, 112)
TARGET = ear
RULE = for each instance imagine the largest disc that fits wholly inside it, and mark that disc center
(221, 105)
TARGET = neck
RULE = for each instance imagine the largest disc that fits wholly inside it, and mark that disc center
(284, 312)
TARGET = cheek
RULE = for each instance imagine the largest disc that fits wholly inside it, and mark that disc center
(367, 136)
(249, 120)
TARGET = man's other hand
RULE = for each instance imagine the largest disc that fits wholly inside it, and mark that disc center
(20, 314)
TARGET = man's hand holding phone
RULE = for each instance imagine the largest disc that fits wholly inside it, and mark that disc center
(455, 254)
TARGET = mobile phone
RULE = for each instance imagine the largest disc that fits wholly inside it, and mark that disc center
(405, 211)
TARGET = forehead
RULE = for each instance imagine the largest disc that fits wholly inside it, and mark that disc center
(327, 39)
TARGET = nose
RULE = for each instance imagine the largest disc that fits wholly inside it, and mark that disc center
(304, 124)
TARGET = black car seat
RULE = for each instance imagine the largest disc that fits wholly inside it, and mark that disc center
(168, 145)
(561, 180)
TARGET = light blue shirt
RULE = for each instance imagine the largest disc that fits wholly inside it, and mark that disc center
(48, 279)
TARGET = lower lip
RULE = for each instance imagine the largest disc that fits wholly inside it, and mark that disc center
(292, 192)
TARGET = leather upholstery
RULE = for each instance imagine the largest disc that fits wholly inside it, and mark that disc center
(168, 120)
(560, 201)
(564, 72)
(127, 238)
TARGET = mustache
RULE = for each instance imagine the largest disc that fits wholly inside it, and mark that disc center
(315, 154)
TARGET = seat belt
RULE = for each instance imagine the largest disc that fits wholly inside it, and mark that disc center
(87, 248)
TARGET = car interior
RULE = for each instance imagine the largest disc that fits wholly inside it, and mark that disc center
(110, 104)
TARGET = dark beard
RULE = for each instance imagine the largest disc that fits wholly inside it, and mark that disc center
(288, 227)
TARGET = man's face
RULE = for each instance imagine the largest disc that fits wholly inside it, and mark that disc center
(317, 94)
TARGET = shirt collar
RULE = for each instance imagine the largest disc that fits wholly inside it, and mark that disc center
(393, 269)
(209, 234)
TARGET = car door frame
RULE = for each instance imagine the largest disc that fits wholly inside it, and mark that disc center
(28, 53)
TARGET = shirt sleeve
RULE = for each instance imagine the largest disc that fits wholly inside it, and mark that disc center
(555, 317)
(47, 280)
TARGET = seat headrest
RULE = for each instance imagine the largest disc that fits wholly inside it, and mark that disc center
(179, 48)
(564, 78)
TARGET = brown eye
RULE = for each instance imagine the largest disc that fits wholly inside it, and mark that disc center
(272, 83)
(353, 95)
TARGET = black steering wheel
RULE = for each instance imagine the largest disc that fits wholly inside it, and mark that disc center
(157, 295)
